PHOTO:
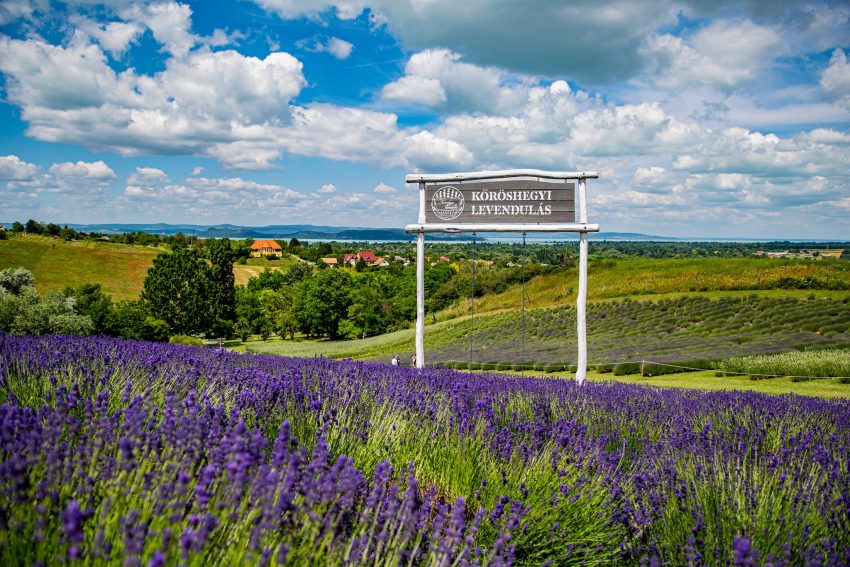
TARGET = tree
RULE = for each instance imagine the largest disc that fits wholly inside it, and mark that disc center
(68, 233)
(222, 290)
(268, 279)
(322, 303)
(17, 227)
(248, 310)
(132, 320)
(277, 308)
(14, 280)
(298, 272)
(366, 314)
(242, 329)
(34, 227)
(293, 243)
(176, 291)
(27, 313)
(93, 303)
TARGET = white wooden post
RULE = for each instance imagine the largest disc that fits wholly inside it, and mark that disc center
(581, 300)
(420, 282)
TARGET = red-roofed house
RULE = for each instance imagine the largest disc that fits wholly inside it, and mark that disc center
(261, 248)
(380, 261)
(366, 255)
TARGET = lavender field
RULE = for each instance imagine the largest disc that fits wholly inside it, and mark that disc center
(116, 452)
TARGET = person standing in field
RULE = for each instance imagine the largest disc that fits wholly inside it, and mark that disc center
(394, 361)
(413, 361)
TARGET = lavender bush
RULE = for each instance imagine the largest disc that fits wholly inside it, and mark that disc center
(150, 454)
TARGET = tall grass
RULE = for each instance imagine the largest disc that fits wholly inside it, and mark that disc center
(805, 365)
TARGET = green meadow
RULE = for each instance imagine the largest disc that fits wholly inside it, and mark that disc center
(119, 268)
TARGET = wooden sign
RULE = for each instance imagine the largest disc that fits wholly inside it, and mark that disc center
(507, 201)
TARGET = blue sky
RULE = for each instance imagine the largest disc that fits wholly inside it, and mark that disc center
(703, 118)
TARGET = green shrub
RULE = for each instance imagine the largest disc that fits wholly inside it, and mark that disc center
(626, 368)
(604, 368)
(185, 340)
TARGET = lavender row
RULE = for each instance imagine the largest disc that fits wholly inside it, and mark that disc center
(149, 454)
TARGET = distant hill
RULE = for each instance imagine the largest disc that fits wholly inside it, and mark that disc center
(321, 232)
(350, 233)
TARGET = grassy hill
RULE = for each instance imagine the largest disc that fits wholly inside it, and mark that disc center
(668, 278)
(119, 268)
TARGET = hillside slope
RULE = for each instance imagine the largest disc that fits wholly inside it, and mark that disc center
(682, 329)
(119, 268)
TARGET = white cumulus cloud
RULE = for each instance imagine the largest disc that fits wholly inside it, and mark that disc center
(722, 54)
(835, 79)
(384, 189)
(97, 170)
(335, 46)
(14, 168)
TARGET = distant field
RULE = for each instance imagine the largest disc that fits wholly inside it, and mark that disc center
(119, 268)
(640, 277)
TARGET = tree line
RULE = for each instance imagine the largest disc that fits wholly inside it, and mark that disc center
(191, 291)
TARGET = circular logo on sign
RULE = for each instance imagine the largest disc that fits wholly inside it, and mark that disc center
(447, 203)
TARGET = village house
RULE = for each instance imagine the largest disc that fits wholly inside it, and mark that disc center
(263, 248)
(330, 261)
(366, 256)
(380, 262)
(438, 260)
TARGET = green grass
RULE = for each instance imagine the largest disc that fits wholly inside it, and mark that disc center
(119, 268)
(796, 365)
(667, 278)
(255, 266)
(708, 380)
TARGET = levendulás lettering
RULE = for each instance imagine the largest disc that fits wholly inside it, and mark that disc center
(499, 210)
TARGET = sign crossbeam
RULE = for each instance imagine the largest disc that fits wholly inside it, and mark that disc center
(512, 200)
(500, 174)
(493, 227)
